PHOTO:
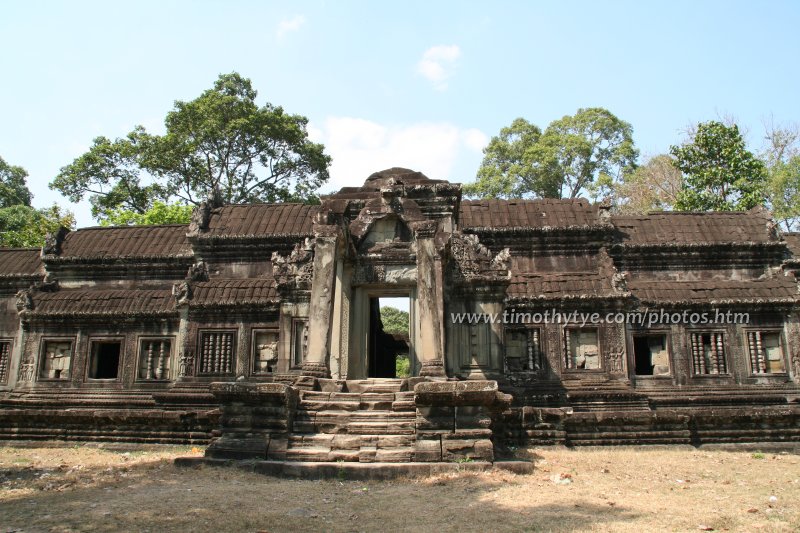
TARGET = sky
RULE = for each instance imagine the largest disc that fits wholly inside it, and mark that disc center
(422, 85)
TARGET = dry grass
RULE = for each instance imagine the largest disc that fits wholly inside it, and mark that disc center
(90, 489)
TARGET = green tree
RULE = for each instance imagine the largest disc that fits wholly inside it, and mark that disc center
(219, 143)
(394, 320)
(784, 192)
(508, 169)
(720, 174)
(159, 213)
(22, 226)
(653, 186)
(582, 153)
(13, 187)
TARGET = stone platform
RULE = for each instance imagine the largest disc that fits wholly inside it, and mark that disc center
(356, 471)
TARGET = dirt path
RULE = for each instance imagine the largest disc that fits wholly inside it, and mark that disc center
(88, 489)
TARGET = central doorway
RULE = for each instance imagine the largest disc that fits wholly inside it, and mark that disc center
(388, 342)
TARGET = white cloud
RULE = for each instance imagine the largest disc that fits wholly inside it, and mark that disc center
(289, 25)
(360, 147)
(437, 64)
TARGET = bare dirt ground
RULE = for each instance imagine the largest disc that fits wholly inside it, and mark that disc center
(82, 488)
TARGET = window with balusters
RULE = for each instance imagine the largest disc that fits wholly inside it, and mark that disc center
(524, 351)
(216, 352)
(766, 352)
(5, 360)
(708, 353)
(154, 359)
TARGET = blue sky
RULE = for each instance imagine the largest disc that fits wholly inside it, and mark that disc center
(416, 84)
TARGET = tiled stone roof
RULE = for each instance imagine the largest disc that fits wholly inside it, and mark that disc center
(692, 228)
(20, 262)
(261, 220)
(150, 302)
(223, 292)
(126, 241)
(780, 288)
(544, 213)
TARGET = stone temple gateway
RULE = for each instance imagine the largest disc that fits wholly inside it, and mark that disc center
(255, 328)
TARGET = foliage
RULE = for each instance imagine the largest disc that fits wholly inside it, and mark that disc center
(219, 143)
(159, 213)
(782, 157)
(22, 226)
(653, 186)
(508, 169)
(784, 192)
(110, 174)
(394, 320)
(402, 366)
(586, 152)
(720, 174)
(13, 188)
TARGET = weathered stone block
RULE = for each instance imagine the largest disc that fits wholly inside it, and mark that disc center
(428, 451)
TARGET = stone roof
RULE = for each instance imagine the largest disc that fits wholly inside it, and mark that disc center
(20, 262)
(103, 302)
(243, 220)
(587, 276)
(542, 213)
(225, 292)
(793, 243)
(693, 228)
(126, 241)
(779, 289)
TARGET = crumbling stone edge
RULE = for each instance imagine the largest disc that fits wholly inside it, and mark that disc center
(355, 471)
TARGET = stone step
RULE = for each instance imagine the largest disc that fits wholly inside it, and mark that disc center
(376, 385)
(349, 442)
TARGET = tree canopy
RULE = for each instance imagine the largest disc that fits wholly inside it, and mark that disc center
(21, 225)
(720, 174)
(221, 143)
(13, 186)
(653, 186)
(394, 320)
(576, 154)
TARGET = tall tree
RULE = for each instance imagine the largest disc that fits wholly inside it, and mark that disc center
(784, 193)
(219, 143)
(13, 187)
(720, 174)
(782, 158)
(581, 153)
(653, 186)
(20, 224)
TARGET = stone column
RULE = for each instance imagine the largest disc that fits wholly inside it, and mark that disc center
(326, 240)
(429, 352)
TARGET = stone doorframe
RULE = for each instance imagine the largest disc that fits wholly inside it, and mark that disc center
(358, 357)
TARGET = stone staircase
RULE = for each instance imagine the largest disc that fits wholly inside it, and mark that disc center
(605, 396)
(375, 425)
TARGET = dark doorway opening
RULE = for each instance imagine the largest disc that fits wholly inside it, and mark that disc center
(104, 363)
(650, 355)
(388, 338)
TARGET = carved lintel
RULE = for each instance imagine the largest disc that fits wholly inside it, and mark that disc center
(423, 229)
